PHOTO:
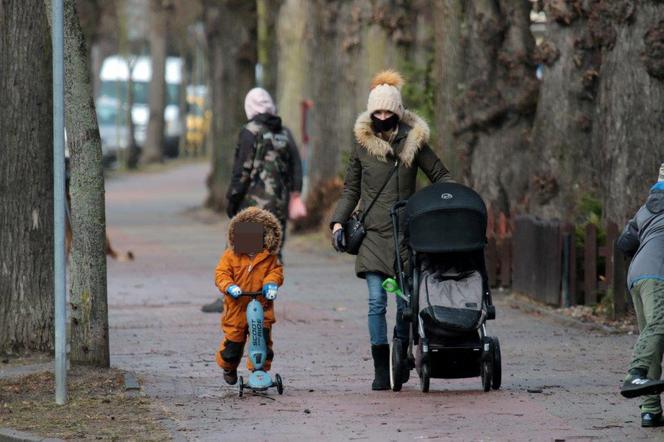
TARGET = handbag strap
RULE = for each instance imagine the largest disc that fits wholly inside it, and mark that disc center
(396, 166)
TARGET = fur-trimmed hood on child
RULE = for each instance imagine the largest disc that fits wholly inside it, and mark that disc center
(273, 233)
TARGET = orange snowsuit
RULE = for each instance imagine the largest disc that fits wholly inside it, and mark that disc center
(250, 274)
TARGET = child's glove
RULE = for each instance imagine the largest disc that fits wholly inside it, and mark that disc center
(270, 291)
(234, 291)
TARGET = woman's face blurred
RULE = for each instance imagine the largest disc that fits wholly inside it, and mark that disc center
(383, 114)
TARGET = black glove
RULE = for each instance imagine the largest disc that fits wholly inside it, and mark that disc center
(339, 240)
(233, 205)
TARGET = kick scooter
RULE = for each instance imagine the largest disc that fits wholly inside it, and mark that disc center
(259, 380)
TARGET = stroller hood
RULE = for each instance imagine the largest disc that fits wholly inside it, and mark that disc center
(446, 217)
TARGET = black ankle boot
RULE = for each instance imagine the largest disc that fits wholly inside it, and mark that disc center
(381, 358)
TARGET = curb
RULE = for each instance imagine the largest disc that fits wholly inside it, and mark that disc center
(9, 435)
(526, 305)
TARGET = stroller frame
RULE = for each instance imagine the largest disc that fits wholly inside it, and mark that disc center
(468, 355)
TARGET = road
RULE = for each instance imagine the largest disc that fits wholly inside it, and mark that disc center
(322, 348)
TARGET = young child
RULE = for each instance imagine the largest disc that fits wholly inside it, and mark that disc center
(249, 264)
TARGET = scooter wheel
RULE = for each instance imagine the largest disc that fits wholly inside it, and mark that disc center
(241, 386)
(280, 385)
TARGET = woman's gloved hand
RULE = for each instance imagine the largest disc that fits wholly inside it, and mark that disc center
(270, 291)
(234, 291)
(338, 238)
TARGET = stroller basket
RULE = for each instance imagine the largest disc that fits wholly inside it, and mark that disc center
(451, 300)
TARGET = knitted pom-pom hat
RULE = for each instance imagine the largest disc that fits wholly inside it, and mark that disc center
(386, 93)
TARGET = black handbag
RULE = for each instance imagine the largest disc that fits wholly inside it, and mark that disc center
(354, 230)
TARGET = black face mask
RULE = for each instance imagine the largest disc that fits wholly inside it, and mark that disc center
(385, 125)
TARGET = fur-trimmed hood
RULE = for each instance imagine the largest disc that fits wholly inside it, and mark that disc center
(273, 233)
(376, 146)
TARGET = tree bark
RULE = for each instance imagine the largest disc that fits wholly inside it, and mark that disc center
(26, 178)
(495, 105)
(89, 306)
(293, 78)
(629, 128)
(231, 37)
(564, 172)
(267, 39)
(153, 151)
(449, 74)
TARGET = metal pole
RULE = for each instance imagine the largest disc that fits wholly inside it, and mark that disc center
(59, 200)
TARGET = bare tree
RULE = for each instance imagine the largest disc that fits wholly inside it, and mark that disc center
(26, 178)
(490, 94)
(154, 143)
(599, 121)
(231, 38)
(89, 307)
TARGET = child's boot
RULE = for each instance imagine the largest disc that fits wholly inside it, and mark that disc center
(230, 376)
(381, 359)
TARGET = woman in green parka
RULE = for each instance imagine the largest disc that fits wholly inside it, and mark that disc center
(385, 134)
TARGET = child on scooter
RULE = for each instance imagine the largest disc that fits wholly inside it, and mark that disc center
(250, 263)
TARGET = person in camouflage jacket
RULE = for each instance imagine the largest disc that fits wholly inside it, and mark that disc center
(267, 168)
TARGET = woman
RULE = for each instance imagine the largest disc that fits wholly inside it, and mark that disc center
(386, 133)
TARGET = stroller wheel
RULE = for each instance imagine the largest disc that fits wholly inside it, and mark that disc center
(241, 386)
(396, 365)
(487, 374)
(424, 378)
(497, 371)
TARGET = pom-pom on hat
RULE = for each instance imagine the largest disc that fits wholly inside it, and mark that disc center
(386, 93)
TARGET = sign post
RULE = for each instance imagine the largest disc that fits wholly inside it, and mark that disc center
(59, 201)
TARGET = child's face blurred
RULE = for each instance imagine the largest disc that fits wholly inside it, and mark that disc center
(248, 238)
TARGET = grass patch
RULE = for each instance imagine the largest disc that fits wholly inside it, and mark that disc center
(97, 408)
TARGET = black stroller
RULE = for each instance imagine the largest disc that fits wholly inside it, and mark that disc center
(445, 286)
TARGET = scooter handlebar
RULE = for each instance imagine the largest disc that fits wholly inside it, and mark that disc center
(252, 294)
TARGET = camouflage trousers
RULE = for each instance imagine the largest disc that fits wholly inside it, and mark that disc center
(648, 297)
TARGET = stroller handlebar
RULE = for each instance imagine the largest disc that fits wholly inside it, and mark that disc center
(398, 205)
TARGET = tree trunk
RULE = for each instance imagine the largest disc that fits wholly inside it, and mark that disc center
(231, 38)
(26, 178)
(564, 172)
(89, 315)
(497, 87)
(293, 79)
(268, 47)
(154, 143)
(628, 131)
(449, 73)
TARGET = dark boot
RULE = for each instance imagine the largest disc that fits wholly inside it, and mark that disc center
(214, 307)
(381, 359)
(230, 376)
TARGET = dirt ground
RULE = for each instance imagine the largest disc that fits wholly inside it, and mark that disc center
(559, 382)
(97, 407)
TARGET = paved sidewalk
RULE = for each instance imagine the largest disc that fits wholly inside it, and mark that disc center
(322, 348)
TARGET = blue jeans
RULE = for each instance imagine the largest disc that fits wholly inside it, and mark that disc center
(378, 308)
